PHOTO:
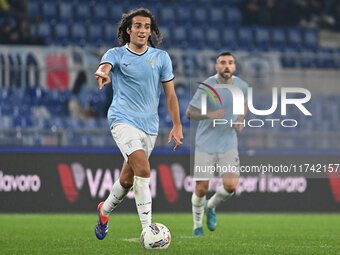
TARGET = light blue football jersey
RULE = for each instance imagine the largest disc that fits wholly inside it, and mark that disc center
(221, 138)
(137, 84)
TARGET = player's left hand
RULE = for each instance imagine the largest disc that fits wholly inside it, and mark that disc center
(238, 127)
(177, 134)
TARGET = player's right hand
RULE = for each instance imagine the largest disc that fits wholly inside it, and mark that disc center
(219, 114)
(102, 79)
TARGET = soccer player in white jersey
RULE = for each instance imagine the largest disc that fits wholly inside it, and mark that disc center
(216, 146)
(138, 71)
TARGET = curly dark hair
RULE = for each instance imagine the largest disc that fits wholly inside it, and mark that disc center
(126, 22)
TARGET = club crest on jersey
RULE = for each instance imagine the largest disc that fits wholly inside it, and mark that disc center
(152, 62)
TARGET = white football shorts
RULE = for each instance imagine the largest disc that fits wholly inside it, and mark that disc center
(208, 165)
(130, 139)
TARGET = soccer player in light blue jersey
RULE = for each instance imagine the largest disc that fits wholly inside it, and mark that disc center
(139, 71)
(216, 146)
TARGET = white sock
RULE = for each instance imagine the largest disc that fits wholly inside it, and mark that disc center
(143, 199)
(197, 209)
(220, 195)
(116, 196)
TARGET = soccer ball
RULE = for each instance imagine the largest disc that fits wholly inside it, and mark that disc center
(155, 236)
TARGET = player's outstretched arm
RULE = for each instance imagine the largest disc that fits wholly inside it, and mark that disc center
(172, 103)
(102, 75)
(194, 113)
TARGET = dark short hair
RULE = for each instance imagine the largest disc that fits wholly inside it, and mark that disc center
(225, 53)
(126, 22)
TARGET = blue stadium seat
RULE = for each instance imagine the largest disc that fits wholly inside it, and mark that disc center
(98, 140)
(33, 96)
(50, 11)
(245, 36)
(229, 38)
(336, 58)
(65, 11)
(82, 11)
(99, 12)
(262, 37)
(22, 122)
(153, 8)
(73, 123)
(324, 58)
(79, 34)
(45, 31)
(179, 35)
(57, 102)
(213, 37)
(334, 105)
(103, 124)
(166, 37)
(278, 38)
(197, 37)
(61, 34)
(95, 34)
(183, 15)
(308, 59)
(110, 32)
(190, 64)
(34, 9)
(76, 139)
(234, 16)
(6, 122)
(289, 58)
(58, 123)
(167, 15)
(200, 16)
(97, 104)
(310, 38)
(217, 17)
(115, 12)
(294, 38)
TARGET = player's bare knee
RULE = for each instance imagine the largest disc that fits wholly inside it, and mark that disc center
(126, 183)
(200, 192)
(142, 171)
(201, 189)
(230, 187)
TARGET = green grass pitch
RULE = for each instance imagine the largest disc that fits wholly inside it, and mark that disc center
(235, 234)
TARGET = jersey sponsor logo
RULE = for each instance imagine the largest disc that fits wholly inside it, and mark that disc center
(129, 144)
(152, 62)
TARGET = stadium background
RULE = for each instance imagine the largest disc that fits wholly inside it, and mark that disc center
(55, 144)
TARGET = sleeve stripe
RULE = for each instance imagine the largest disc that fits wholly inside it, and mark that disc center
(106, 63)
(169, 80)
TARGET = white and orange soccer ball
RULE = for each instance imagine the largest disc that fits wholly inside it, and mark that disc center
(155, 236)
